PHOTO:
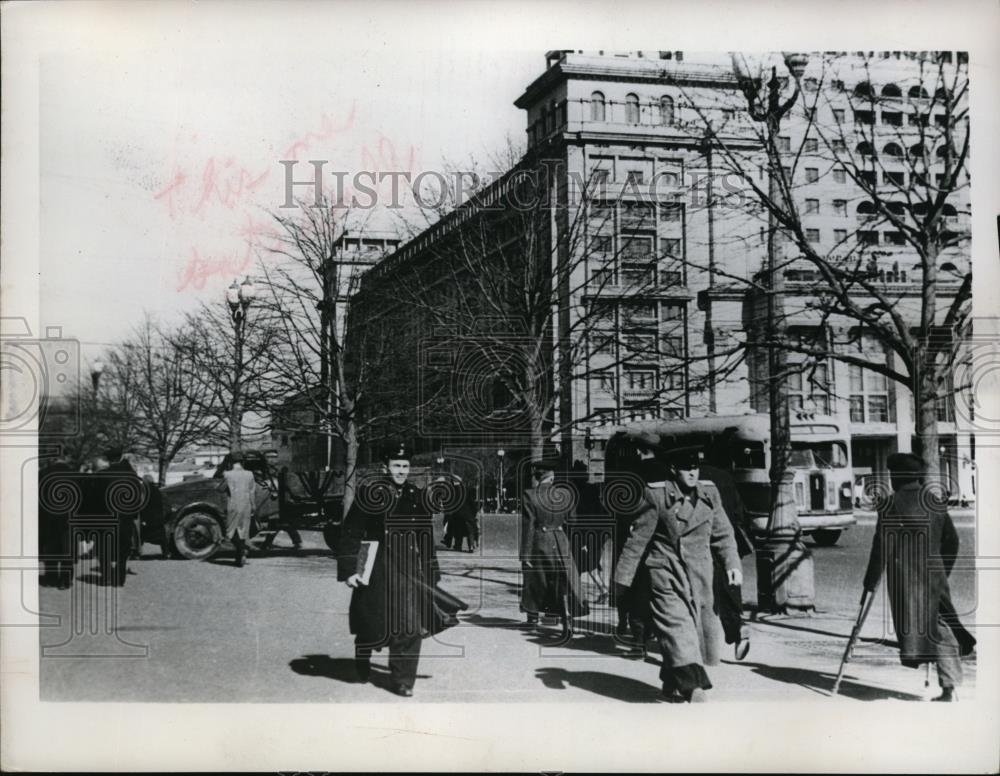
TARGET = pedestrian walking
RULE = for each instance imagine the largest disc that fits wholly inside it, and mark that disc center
(680, 529)
(395, 607)
(551, 580)
(57, 483)
(915, 544)
(729, 597)
(241, 488)
(117, 534)
(463, 522)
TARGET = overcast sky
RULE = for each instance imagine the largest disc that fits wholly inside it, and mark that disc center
(161, 124)
(157, 165)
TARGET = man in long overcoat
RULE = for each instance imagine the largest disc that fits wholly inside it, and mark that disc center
(551, 580)
(678, 531)
(728, 597)
(59, 495)
(395, 609)
(916, 543)
(242, 489)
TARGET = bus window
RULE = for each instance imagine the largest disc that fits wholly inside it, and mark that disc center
(748, 455)
(818, 455)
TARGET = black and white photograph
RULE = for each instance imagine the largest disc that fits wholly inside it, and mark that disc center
(384, 388)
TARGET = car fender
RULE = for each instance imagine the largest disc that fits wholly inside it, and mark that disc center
(194, 506)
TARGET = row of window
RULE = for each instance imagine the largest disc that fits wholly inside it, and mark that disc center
(633, 412)
(630, 379)
(864, 148)
(662, 110)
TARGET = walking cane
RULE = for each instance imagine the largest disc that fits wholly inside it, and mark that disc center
(866, 603)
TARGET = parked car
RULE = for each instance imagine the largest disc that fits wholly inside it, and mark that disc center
(193, 518)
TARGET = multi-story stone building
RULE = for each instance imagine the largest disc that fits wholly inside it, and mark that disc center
(664, 239)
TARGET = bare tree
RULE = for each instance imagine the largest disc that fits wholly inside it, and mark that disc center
(150, 398)
(231, 363)
(891, 294)
(323, 375)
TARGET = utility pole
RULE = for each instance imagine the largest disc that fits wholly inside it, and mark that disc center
(785, 578)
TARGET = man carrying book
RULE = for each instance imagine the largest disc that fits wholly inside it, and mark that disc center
(386, 555)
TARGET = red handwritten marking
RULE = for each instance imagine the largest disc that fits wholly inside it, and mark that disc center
(226, 184)
(178, 180)
(199, 269)
(327, 130)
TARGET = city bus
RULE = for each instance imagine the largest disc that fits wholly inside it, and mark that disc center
(740, 444)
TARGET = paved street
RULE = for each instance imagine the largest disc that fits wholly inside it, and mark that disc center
(277, 631)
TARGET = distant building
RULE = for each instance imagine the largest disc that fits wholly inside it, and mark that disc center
(624, 119)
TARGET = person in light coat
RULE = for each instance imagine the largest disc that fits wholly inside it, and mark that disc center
(241, 488)
(680, 533)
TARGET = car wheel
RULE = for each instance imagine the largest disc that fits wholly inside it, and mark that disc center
(331, 535)
(198, 535)
(826, 537)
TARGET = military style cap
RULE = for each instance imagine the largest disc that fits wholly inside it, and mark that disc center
(398, 451)
(113, 453)
(905, 463)
(685, 457)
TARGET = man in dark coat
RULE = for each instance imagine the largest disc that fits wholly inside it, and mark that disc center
(122, 495)
(679, 530)
(914, 541)
(462, 523)
(729, 598)
(395, 609)
(551, 580)
(59, 495)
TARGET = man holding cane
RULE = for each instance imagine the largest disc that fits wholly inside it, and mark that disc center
(916, 543)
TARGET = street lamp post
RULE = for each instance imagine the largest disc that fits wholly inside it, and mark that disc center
(240, 297)
(96, 370)
(500, 454)
(784, 566)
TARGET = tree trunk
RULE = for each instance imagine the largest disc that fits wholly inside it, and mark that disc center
(350, 462)
(162, 463)
(925, 420)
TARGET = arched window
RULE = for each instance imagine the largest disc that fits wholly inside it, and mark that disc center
(666, 110)
(865, 149)
(891, 91)
(950, 268)
(918, 93)
(942, 95)
(896, 208)
(597, 106)
(917, 151)
(865, 208)
(893, 149)
(943, 151)
(864, 90)
(948, 210)
(631, 109)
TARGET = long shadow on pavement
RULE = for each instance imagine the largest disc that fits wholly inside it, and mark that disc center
(821, 682)
(341, 669)
(613, 686)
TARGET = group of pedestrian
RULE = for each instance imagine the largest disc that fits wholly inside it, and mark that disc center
(675, 550)
(100, 505)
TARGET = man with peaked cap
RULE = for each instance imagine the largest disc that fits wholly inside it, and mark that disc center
(679, 530)
(551, 581)
(926, 624)
(395, 608)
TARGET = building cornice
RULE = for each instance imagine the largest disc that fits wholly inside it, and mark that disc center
(625, 70)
